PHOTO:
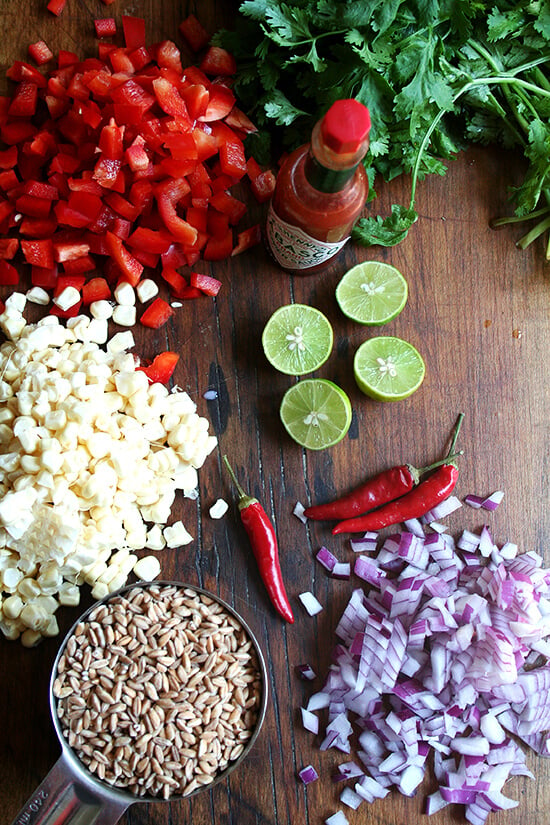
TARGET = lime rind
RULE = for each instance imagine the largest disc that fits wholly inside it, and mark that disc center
(387, 368)
(297, 339)
(316, 413)
(372, 293)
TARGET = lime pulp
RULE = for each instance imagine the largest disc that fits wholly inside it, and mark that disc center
(297, 339)
(372, 293)
(316, 413)
(387, 368)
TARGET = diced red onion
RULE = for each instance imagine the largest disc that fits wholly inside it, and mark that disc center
(311, 604)
(310, 721)
(338, 818)
(432, 656)
(442, 510)
(305, 671)
(326, 558)
(299, 511)
(474, 501)
(367, 544)
(308, 775)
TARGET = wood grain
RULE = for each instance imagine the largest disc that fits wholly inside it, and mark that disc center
(478, 311)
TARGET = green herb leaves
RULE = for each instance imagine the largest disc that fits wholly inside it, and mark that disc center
(436, 75)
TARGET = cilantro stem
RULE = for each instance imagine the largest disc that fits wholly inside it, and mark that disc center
(533, 234)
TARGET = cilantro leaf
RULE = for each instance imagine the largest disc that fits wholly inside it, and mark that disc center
(387, 231)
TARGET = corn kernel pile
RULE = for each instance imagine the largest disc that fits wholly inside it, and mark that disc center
(91, 457)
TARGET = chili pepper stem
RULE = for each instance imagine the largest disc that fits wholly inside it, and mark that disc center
(455, 436)
(416, 472)
(245, 500)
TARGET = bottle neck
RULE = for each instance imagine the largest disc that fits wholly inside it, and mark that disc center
(326, 180)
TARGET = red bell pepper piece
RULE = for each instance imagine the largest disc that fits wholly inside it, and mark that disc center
(157, 313)
(263, 186)
(225, 203)
(79, 266)
(129, 266)
(217, 249)
(247, 238)
(96, 289)
(218, 62)
(111, 140)
(171, 101)
(169, 194)
(8, 248)
(150, 240)
(134, 31)
(105, 27)
(56, 6)
(40, 52)
(23, 103)
(69, 250)
(206, 283)
(46, 278)
(8, 158)
(232, 159)
(20, 70)
(9, 276)
(168, 56)
(194, 33)
(196, 99)
(240, 123)
(162, 367)
(38, 253)
(220, 102)
(174, 279)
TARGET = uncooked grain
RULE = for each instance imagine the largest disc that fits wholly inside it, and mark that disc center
(158, 690)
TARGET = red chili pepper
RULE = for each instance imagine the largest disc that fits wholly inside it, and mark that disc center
(263, 541)
(414, 504)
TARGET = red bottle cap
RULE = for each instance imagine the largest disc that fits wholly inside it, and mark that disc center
(345, 126)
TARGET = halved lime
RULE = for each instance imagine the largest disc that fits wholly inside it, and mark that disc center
(387, 368)
(372, 293)
(316, 413)
(297, 339)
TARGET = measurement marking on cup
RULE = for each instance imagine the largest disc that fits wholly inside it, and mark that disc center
(33, 806)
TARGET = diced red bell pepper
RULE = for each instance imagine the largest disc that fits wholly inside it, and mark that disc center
(39, 189)
(64, 281)
(17, 132)
(35, 207)
(232, 159)
(151, 240)
(79, 266)
(240, 123)
(194, 33)
(181, 146)
(40, 52)
(217, 249)
(131, 92)
(196, 99)
(105, 27)
(129, 266)
(220, 103)
(20, 70)
(8, 248)
(168, 56)
(96, 289)
(56, 6)
(71, 312)
(206, 143)
(9, 276)
(228, 205)
(134, 31)
(8, 157)
(69, 250)
(122, 206)
(23, 103)
(247, 238)
(46, 278)
(206, 283)
(218, 62)
(157, 313)
(174, 279)
(168, 195)
(111, 140)
(140, 58)
(39, 252)
(38, 227)
(253, 168)
(8, 180)
(263, 186)
(217, 224)
(162, 367)
(197, 217)
(171, 101)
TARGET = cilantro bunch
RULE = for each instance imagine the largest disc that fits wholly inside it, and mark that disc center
(437, 76)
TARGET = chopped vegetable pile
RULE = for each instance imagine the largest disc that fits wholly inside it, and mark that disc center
(443, 654)
(436, 77)
(93, 452)
(120, 164)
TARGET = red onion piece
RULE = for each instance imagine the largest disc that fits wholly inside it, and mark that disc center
(311, 604)
(308, 774)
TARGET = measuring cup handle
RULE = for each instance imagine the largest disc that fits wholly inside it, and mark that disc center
(63, 798)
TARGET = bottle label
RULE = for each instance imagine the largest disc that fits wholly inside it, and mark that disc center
(293, 248)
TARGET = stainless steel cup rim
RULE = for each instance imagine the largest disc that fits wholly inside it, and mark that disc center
(112, 791)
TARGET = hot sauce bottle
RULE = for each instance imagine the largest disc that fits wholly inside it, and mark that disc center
(321, 189)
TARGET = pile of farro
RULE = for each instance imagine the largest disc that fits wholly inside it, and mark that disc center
(158, 690)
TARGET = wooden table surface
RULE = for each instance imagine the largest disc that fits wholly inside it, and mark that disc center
(479, 311)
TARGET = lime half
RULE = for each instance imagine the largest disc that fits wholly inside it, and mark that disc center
(387, 368)
(316, 413)
(372, 293)
(297, 339)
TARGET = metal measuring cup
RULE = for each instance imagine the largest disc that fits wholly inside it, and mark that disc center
(70, 794)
